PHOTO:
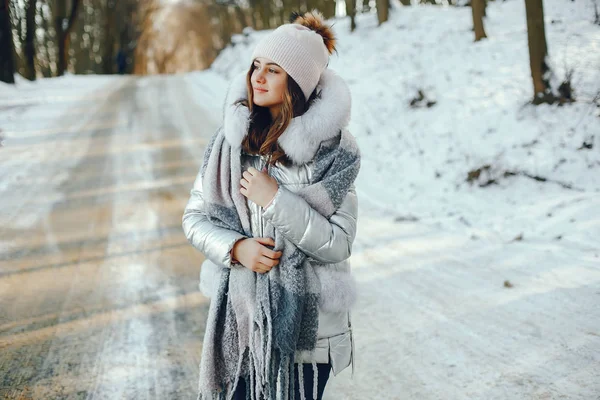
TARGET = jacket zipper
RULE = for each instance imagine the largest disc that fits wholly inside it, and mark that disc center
(260, 220)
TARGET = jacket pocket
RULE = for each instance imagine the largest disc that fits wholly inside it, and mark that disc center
(340, 352)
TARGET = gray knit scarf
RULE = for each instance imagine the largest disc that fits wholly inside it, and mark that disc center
(257, 322)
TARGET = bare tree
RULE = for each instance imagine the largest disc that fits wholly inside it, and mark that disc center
(383, 7)
(63, 27)
(351, 12)
(7, 63)
(59, 12)
(241, 17)
(538, 53)
(328, 8)
(110, 37)
(478, 8)
(29, 42)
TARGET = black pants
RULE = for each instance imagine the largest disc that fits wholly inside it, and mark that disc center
(307, 371)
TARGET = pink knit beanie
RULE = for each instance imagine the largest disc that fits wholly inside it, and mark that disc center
(299, 50)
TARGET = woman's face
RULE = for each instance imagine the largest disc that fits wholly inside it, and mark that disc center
(269, 83)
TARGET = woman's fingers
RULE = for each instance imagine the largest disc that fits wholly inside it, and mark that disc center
(265, 241)
(269, 262)
(267, 251)
(245, 181)
(261, 268)
(271, 253)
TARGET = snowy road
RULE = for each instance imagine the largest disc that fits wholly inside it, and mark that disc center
(98, 284)
(435, 320)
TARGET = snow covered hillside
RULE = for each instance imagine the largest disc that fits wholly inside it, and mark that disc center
(417, 160)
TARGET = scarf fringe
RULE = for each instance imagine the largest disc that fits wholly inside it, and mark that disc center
(301, 381)
(281, 379)
(315, 380)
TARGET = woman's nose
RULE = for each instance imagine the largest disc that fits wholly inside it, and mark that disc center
(260, 75)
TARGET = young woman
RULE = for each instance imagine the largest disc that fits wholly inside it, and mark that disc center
(274, 210)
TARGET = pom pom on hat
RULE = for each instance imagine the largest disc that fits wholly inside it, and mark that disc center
(314, 21)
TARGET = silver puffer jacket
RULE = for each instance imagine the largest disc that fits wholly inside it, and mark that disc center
(327, 242)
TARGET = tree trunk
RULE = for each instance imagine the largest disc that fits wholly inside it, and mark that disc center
(351, 12)
(253, 16)
(477, 6)
(538, 51)
(59, 14)
(7, 62)
(29, 42)
(383, 7)
(266, 14)
(110, 38)
(288, 7)
(241, 17)
(225, 23)
(44, 59)
(62, 31)
(70, 24)
(328, 9)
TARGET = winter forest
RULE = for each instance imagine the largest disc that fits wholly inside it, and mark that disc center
(48, 38)
(477, 252)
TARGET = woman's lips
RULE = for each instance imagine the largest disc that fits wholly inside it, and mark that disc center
(260, 90)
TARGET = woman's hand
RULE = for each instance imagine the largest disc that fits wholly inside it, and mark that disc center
(258, 186)
(253, 254)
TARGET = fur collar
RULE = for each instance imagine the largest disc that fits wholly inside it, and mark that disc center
(323, 120)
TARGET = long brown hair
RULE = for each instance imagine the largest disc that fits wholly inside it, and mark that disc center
(264, 132)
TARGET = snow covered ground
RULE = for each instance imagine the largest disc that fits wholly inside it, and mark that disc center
(466, 292)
